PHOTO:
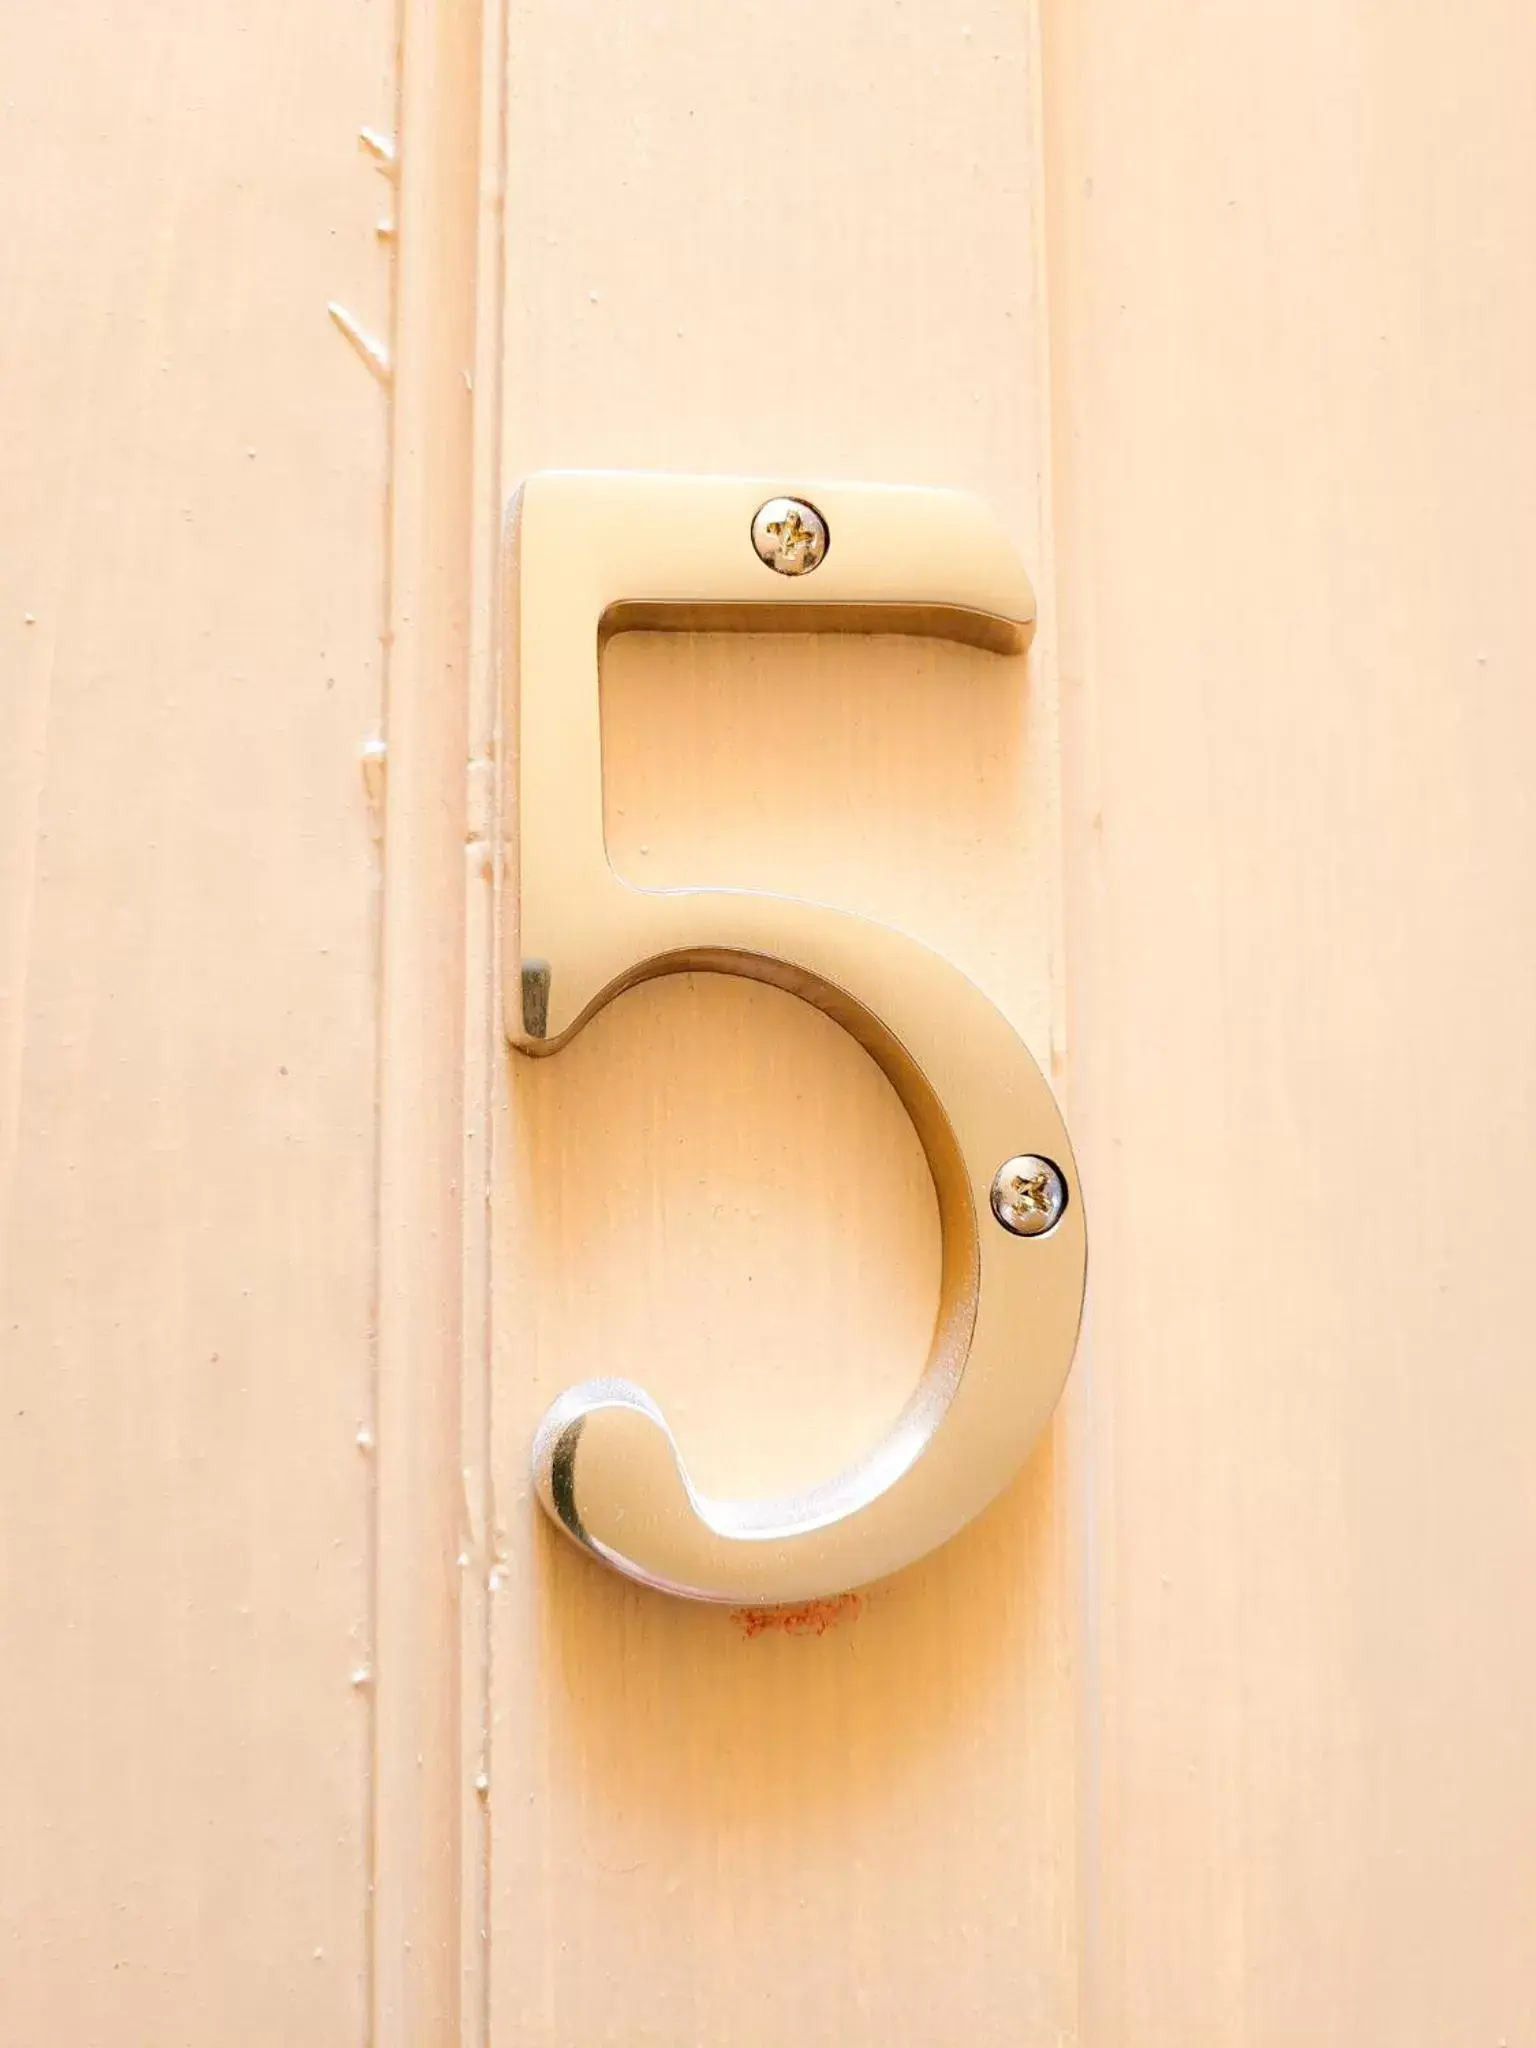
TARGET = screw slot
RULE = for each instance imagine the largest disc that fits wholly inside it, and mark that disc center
(1029, 1195)
(790, 536)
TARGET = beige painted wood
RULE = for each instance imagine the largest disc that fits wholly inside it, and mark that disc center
(1295, 328)
(431, 1200)
(192, 473)
(1217, 1728)
(1291, 438)
(704, 1826)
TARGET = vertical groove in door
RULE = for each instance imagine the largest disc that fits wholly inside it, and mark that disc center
(432, 1522)
(485, 1042)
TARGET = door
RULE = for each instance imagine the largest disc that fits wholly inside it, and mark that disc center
(1215, 1726)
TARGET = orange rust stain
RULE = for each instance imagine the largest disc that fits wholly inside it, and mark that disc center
(813, 1619)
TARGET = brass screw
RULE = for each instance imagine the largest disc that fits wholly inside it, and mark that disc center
(1029, 1195)
(790, 536)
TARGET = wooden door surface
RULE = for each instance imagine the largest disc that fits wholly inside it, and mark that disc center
(1216, 1728)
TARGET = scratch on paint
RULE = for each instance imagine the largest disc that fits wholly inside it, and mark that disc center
(381, 148)
(814, 1618)
(387, 163)
(373, 352)
(375, 760)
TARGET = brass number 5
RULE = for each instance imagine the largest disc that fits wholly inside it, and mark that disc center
(592, 553)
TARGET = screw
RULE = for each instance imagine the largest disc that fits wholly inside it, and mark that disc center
(1029, 1195)
(790, 536)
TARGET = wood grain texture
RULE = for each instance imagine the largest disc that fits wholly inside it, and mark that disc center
(191, 551)
(1296, 449)
(786, 240)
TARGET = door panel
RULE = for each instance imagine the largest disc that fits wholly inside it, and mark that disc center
(1296, 517)
(856, 1820)
(1215, 1727)
(191, 553)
